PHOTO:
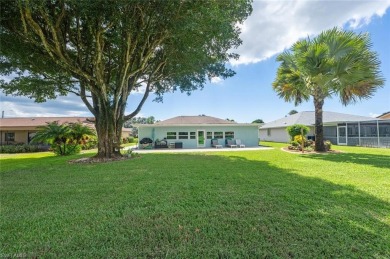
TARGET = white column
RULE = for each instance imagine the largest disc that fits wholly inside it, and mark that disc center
(377, 130)
(359, 132)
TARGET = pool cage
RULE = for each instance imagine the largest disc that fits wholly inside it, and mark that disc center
(375, 133)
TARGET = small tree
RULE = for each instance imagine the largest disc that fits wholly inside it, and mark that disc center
(292, 112)
(64, 139)
(297, 129)
(258, 121)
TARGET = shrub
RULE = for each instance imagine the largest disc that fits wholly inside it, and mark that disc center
(66, 149)
(328, 145)
(21, 148)
(294, 143)
(296, 129)
(299, 139)
(131, 139)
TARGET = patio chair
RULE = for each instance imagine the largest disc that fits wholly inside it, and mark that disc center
(230, 143)
(214, 143)
(239, 143)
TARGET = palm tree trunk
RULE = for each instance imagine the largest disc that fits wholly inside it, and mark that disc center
(319, 127)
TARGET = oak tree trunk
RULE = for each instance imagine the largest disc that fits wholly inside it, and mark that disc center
(319, 127)
(108, 130)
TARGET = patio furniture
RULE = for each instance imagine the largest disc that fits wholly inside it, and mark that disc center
(214, 143)
(161, 144)
(146, 143)
(239, 143)
(230, 143)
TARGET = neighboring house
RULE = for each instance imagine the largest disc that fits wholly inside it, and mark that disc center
(22, 130)
(339, 128)
(198, 131)
(384, 116)
(127, 132)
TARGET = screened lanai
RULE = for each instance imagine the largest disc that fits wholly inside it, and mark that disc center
(375, 133)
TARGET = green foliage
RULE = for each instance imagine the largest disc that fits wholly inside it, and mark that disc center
(336, 62)
(292, 112)
(107, 50)
(65, 139)
(258, 121)
(328, 145)
(23, 148)
(296, 129)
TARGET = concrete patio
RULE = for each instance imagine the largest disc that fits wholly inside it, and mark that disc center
(194, 150)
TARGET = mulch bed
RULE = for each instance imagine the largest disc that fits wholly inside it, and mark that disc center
(285, 149)
(94, 160)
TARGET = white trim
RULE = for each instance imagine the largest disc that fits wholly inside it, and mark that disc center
(359, 133)
(338, 136)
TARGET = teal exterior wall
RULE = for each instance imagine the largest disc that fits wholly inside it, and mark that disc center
(247, 134)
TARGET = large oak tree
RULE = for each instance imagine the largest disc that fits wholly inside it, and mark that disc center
(104, 50)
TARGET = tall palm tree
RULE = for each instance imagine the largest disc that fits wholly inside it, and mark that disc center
(336, 62)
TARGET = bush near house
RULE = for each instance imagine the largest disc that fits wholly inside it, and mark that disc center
(22, 148)
(297, 129)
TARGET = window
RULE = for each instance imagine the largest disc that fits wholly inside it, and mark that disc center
(229, 134)
(9, 136)
(171, 135)
(183, 135)
(192, 135)
(218, 134)
(268, 132)
(209, 135)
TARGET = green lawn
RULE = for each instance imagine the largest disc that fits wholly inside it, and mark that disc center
(251, 204)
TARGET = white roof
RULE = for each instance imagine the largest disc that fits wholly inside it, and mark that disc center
(307, 118)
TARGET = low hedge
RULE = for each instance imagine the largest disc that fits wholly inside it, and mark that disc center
(22, 148)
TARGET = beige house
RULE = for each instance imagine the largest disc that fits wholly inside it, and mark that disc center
(22, 130)
(384, 116)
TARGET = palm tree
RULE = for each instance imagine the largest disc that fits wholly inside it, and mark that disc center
(65, 138)
(54, 134)
(336, 62)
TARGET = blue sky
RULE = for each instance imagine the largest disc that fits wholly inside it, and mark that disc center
(273, 27)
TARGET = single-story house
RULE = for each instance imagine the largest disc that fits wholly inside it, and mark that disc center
(339, 128)
(22, 130)
(197, 132)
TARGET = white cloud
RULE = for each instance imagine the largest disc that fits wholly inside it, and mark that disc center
(216, 80)
(14, 106)
(373, 115)
(276, 25)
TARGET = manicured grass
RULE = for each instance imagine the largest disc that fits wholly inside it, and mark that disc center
(230, 204)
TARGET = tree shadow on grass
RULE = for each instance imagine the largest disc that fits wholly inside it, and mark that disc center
(381, 161)
(198, 205)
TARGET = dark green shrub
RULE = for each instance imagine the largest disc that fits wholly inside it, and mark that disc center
(131, 139)
(66, 149)
(296, 129)
(294, 143)
(21, 148)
